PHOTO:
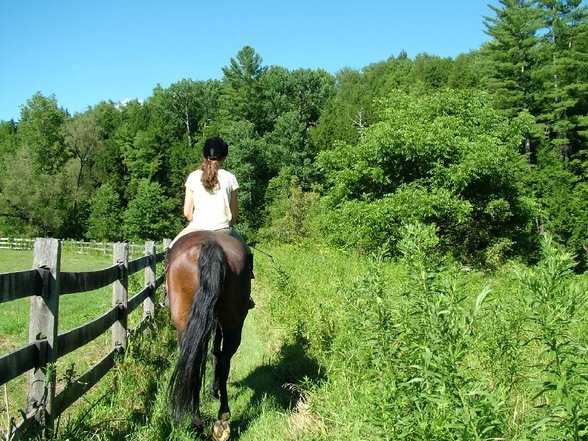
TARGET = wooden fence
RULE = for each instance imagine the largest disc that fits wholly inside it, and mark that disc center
(44, 284)
(76, 246)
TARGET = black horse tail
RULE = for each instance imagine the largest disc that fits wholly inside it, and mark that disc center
(186, 380)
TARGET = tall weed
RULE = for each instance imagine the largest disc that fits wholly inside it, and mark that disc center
(447, 397)
(556, 307)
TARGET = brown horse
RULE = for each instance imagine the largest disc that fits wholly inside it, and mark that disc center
(208, 283)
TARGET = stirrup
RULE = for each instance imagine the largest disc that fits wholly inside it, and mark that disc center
(164, 303)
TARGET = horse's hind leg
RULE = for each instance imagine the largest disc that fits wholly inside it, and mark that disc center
(214, 354)
(231, 341)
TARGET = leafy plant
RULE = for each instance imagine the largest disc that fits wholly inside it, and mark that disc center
(555, 308)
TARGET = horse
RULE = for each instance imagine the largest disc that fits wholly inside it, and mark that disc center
(208, 285)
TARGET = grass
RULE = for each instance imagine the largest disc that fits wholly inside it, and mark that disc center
(75, 310)
(271, 374)
(342, 347)
(130, 402)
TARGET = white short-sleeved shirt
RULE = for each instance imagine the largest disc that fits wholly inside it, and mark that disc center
(212, 209)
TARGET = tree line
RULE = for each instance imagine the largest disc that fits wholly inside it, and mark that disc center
(488, 148)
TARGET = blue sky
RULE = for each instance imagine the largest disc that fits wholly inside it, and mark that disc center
(84, 52)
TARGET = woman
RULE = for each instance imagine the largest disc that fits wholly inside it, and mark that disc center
(212, 195)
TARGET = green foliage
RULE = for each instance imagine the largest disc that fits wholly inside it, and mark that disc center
(289, 210)
(423, 349)
(556, 306)
(37, 203)
(511, 55)
(345, 347)
(442, 334)
(562, 74)
(242, 100)
(127, 399)
(563, 200)
(473, 145)
(291, 149)
(8, 141)
(302, 91)
(40, 129)
(446, 158)
(353, 108)
(397, 347)
(105, 216)
(422, 160)
(148, 215)
(346, 113)
(141, 157)
(369, 226)
(248, 161)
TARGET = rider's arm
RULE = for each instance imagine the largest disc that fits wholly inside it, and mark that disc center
(188, 205)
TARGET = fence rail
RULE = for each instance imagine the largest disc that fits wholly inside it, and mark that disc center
(44, 284)
(20, 284)
(76, 246)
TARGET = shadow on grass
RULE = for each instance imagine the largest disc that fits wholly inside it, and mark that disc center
(292, 367)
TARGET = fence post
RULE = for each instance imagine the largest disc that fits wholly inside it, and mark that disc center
(149, 303)
(43, 323)
(120, 295)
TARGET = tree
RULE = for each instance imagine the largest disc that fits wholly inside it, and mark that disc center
(446, 158)
(107, 161)
(511, 55)
(242, 100)
(248, 160)
(429, 73)
(288, 209)
(178, 108)
(303, 90)
(289, 149)
(8, 140)
(179, 114)
(139, 146)
(468, 71)
(563, 75)
(35, 202)
(83, 137)
(40, 129)
(104, 222)
(338, 118)
(149, 214)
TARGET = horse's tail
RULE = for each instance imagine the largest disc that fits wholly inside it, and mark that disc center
(186, 380)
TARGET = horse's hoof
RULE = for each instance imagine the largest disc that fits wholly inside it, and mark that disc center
(197, 426)
(221, 431)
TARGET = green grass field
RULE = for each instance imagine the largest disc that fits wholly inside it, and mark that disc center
(349, 348)
(75, 310)
(131, 404)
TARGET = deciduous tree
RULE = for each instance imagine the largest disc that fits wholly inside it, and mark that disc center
(40, 129)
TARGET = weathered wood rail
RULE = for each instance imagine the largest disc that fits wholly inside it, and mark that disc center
(77, 246)
(45, 283)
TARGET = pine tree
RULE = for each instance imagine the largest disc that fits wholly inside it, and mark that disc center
(243, 97)
(510, 54)
(563, 75)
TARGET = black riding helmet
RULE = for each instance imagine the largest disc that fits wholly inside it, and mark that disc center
(215, 148)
